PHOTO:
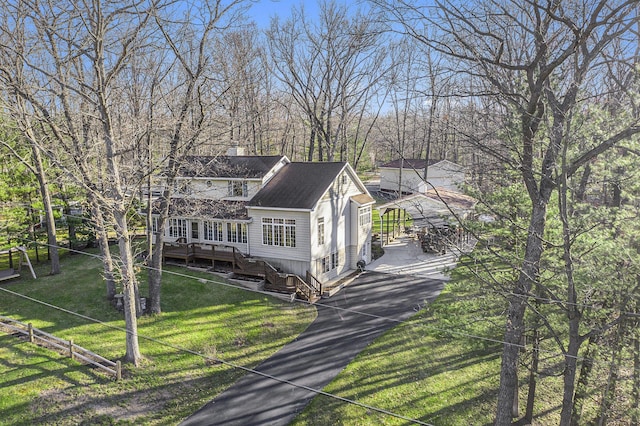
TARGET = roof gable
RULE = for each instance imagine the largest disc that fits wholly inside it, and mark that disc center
(229, 166)
(409, 163)
(419, 163)
(298, 185)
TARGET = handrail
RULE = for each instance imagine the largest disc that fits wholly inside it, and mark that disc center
(301, 286)
(309, 288)
(314, 282)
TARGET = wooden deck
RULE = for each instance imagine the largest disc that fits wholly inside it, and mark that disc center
(190, 253)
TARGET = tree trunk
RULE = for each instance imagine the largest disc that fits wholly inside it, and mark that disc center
(71, 225)
(570, 367)
(609, 392)
(515, 315)
(103, 243)
(583, 380)
(312, 141)
(574, 314)
(52, 242)
(130, 290)
(155, 271)
(635, 417)
(533, 378)
(584, 180)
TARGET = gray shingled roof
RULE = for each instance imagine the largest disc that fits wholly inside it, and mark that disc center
(297, 185)
(203, 208)
(229, 166)
(409, 163)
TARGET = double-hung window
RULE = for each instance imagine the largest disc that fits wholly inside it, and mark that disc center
(330, 262)
(237, 188)
(177, 228)
(320, 231)
(212, 231)
(278, 232)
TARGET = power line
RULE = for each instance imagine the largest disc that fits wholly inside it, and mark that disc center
(528, 296)
(219, 360)
(282, 380)
(348, 310)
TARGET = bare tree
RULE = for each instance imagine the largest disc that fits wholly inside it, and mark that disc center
(36, 165)
(534, 58)
(73, 57)
(189, 97)
(330, 68)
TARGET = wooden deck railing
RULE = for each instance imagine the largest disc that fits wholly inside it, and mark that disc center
(177, 250)
(67, 347)
(314, 283)
(310, 289)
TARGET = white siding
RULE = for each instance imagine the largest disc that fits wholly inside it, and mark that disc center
(361, 237)
(447, 175)
(444, 174)
(335, 207)
(213, 189)
(301, 252)
(411, 180)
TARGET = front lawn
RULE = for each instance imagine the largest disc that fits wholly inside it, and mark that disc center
(40, 386)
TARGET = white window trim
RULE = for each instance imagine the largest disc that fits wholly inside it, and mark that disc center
(278, 232)
(321, 231)
(364, 216)
(177, 228)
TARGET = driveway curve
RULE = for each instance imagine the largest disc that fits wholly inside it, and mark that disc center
(345, 325)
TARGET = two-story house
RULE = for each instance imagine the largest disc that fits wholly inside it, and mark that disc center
(300, 218)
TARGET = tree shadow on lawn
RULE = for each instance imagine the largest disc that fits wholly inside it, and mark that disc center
(169, 400)
(396, 375)
(63, 367)
(211, 305)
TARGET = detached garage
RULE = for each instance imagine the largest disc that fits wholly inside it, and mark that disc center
(406, 176)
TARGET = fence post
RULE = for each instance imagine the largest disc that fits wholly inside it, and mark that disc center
(30, 328)
(118, 371)
(71, 348)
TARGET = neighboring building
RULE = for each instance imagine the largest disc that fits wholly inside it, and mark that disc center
(298, 217)
(406, 176)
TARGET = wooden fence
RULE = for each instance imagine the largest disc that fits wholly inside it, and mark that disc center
(66, 347)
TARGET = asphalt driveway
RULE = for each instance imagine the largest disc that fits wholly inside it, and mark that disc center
(323, 350)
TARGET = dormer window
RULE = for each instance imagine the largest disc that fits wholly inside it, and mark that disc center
(237, 188)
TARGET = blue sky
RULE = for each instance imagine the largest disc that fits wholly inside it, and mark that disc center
(263, 10)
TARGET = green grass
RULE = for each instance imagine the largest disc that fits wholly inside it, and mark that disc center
(40, 386)
(433, 369)
(421, 371)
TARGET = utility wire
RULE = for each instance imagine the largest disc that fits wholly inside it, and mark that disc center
(219, 360)
(282, 380)
(348, 310)
(528, 296)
